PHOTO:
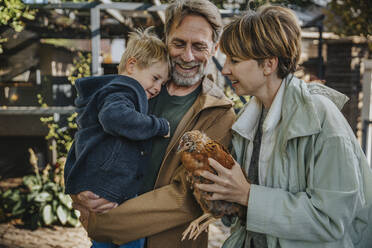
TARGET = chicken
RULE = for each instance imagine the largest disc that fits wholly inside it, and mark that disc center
(195, 148)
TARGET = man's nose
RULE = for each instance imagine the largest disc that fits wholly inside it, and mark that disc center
(225, 70)
(187, 54)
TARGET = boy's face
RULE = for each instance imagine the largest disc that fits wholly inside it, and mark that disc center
(152, 77)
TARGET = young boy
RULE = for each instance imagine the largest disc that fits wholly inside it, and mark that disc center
(112, 145)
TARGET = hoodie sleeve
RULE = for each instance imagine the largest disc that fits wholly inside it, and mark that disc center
(118, 117)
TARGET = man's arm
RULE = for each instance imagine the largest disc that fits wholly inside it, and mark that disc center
(147, 214)
(161, 209)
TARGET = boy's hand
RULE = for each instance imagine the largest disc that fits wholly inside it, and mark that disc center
(93, 202)
(168, 134)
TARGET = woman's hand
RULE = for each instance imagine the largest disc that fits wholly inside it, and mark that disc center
(229, 185)
(92, 202)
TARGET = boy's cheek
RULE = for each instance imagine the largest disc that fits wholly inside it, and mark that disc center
(154, 95)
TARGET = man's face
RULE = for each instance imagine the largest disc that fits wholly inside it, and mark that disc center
(190, 47)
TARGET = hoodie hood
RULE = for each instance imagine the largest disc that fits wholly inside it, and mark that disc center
(88, 87)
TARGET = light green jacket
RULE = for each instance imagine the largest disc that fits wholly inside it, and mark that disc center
(317, 190)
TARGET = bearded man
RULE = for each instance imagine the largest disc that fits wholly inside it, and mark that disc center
(190, 100)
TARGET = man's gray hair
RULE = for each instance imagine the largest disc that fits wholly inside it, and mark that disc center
(179, 9)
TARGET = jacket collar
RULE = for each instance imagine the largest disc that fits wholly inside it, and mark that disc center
(247, 122)
(211, 96)
(299, 113)
(293, 106)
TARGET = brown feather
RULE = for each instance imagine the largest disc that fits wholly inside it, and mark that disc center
(195, 148)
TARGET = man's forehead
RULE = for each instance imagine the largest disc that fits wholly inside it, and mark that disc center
(192, 28)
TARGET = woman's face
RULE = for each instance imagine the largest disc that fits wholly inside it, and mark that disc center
(247, 76)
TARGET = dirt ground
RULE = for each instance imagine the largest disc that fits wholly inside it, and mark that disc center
(63, 237)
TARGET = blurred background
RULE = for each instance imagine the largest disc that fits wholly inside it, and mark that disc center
(46, 45)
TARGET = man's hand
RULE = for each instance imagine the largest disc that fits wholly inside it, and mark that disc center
(92, 202)
(84, 214)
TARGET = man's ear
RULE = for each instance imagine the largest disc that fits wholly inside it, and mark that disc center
(270, 66)
(130, 65)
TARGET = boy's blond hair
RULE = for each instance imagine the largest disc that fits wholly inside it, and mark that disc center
(146, 48)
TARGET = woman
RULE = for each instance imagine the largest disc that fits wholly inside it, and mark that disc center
(309, 184)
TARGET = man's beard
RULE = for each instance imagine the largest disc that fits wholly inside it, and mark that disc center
(182, 79)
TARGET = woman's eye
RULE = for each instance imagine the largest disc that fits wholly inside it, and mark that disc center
(155, 78)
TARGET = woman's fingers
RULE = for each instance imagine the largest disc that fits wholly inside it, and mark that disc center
(229, 184)
(214, 188)
(210, 176)
(217, 166)
(219, 192)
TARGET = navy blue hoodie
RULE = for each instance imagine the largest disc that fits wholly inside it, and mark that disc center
(112, 146)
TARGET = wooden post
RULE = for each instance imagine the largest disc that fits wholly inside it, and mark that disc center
(367, 110)
(96, 39)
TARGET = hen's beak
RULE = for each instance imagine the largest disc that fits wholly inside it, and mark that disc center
(179, 148)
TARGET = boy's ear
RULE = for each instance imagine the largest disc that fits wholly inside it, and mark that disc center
(130, 65)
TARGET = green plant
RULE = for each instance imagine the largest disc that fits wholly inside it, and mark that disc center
(40, 200)
(12, 13)
(63, 136)
(347, 17)
(80, 67)
(238, 104)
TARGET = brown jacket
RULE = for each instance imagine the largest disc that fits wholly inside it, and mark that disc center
(163, 214)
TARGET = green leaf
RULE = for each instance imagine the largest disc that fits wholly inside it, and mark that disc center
(73, 221)
(32, 182)
(31, 196)
(47, 214)
(51, 186)
(7, 193)
(76, 213)
(15, 196)
(62, 214)
(18, 209)
(65, 200)
(54, 205)
(43, 197)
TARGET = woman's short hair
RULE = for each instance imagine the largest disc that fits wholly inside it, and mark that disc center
(271, 31)
(179, 9)
(146, 48)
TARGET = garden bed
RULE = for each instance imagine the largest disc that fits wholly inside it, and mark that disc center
(13, 235)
